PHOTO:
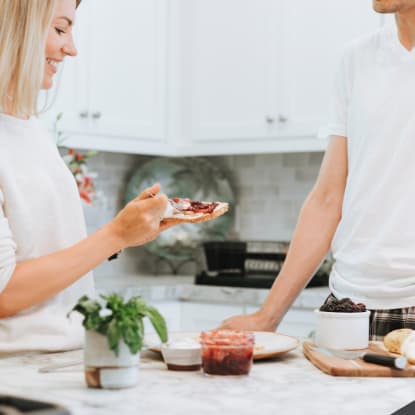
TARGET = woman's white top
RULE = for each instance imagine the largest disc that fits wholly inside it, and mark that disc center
(374, 108)
(40, 213)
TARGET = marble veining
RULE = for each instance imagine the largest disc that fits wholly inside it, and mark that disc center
(286, 385)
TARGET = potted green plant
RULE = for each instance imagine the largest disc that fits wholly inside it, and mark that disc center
(114, 334)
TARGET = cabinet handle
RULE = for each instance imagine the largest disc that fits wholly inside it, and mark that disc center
(84, 114)
(282, 119)
(269, 119)
(96, 115)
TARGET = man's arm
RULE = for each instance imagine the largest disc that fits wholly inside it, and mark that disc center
(310, 244)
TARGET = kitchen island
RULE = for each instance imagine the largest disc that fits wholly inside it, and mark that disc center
(289, 384)
(190, 307)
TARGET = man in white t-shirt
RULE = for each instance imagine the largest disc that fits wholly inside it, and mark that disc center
(363, 203)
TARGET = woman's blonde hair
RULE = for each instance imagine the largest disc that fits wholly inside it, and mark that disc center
(24, 26)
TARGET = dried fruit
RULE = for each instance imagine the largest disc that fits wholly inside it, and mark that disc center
(344, 305)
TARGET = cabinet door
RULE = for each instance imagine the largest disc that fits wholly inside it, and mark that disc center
(171, 312)
(312, 35)
(296, 322)
(127, 70)
(115, 88)
(200, 316)
(263, 69)
(228, 81)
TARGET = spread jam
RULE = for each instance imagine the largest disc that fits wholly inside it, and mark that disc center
(187, 205)
(227, 352)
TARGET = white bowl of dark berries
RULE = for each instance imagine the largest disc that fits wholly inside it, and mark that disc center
(342, 324)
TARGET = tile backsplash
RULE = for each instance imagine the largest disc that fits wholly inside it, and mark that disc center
(269, 190)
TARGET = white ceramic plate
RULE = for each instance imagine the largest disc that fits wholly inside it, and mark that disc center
(267, 344)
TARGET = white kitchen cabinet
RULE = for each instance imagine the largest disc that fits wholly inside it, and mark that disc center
(194, 316)
(260, 71)
(197, 77)
(114, 94)
(230, 84)
(312, 35)
(202, 316)
(171, 311)
(296, 322)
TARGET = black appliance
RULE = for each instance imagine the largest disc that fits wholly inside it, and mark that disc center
(252, 264)
(13, 405)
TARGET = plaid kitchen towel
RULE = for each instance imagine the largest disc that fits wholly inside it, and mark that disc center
(383, 321)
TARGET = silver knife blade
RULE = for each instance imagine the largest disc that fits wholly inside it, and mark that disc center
(342, 354)
(396, 362)
(54, 367)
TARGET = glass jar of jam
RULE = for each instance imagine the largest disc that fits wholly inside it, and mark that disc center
(227, 352)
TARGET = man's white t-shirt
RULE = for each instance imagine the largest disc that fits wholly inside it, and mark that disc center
(374, 107)
(40, 213)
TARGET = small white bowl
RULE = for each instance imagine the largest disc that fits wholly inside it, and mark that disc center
(182, 355)
(336, 330)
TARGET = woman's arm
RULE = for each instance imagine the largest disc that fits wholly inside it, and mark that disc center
(38, 279)
(311, 241)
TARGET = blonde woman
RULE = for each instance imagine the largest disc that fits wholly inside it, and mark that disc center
(45, 255)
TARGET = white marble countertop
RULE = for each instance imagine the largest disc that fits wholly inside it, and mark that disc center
(287, 385)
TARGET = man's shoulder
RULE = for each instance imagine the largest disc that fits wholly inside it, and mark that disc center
(366, 42)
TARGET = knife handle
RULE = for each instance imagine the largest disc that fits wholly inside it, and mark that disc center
(390, 361)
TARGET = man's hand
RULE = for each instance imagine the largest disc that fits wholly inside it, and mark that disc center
(251, 322)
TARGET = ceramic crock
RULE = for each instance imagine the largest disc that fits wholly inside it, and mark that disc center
(103, 369)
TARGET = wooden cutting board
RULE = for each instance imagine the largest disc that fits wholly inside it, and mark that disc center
(357, 367)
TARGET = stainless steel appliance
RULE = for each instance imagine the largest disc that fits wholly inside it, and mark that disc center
(252, 264)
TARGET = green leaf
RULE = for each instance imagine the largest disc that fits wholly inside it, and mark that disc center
(133, 337)
(114, 302)
(113, 336)
(125, 323)
(86, 306)
(156, 319)
(158, 322)
(90, 153)
(140, 327)
(92, 322)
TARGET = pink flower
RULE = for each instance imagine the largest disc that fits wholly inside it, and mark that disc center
(85, 197)
(77, 165)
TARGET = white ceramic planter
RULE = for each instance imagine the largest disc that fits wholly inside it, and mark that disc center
(103, 369)
(342, 330)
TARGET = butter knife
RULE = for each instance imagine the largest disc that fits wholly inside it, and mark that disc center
(54, 367)
(395, 362)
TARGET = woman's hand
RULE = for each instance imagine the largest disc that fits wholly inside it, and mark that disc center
(251, 322)
(139, 221)
(136, 224)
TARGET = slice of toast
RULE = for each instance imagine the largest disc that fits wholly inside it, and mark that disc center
(401, 341)
(394, 339)
(195, 217)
